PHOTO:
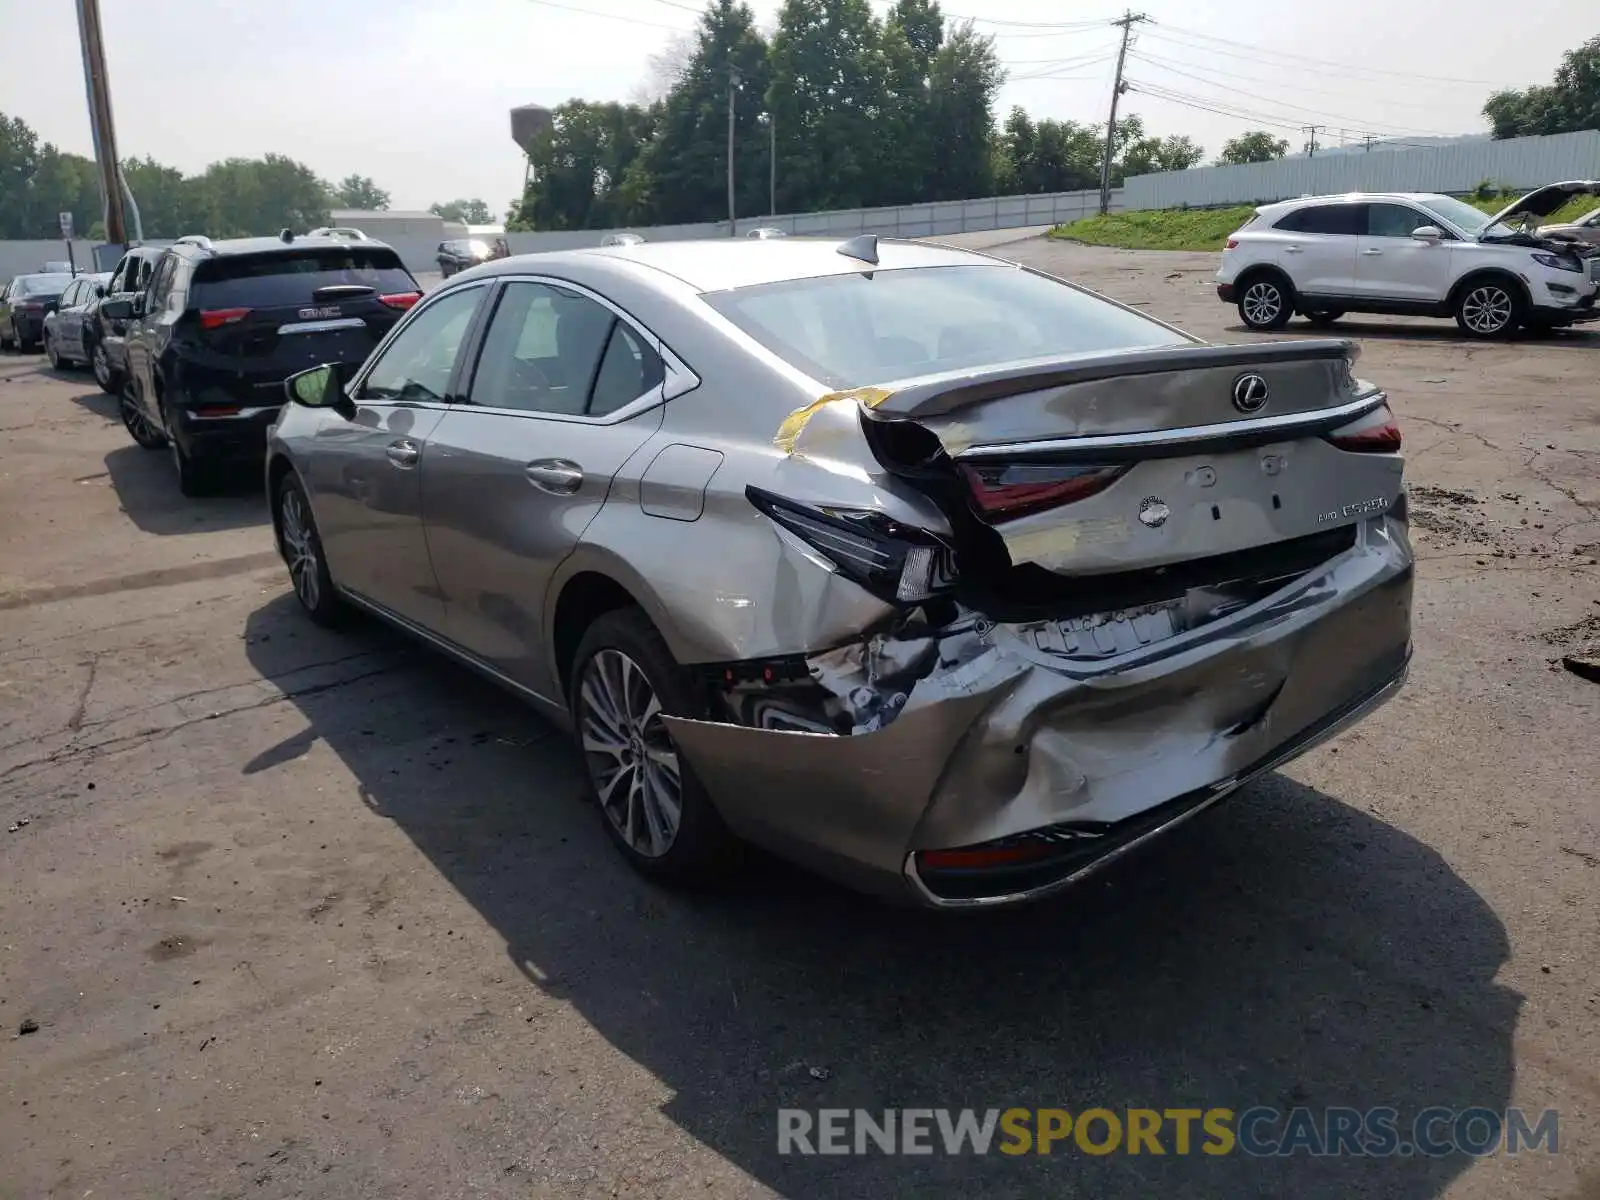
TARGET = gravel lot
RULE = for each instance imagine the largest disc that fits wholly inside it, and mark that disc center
(305, 914)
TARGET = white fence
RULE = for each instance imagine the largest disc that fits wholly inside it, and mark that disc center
(909, 221)
(1517, 164)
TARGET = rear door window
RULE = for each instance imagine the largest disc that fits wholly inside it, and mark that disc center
(283, 279)
(1349, 220)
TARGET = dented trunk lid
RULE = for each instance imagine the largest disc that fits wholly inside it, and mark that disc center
(1211, 451)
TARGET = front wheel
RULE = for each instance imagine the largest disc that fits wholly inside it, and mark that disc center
(1265, 303)
(301, 547)
(104, 374)
(1490, 309)
(51, 353)
(135, 422)
(624, 680)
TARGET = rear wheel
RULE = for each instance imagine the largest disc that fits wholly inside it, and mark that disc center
(302, 552)
(1265, 302)
(135, 422)
(51, 353)
(195, 475)
(624, 680)
(1490, 308)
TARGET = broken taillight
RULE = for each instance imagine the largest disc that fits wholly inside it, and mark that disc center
(1007, 490)
(895, 562)
(1232, 244)
(1375, 433)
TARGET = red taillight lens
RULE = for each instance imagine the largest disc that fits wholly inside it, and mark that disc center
(216, 318)
(1381, 439)
(1233, 244)
(216, 410)
(984, 856)
(401, 300)
(1010, 490)
(27, 306)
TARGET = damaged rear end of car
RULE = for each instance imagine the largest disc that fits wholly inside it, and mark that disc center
(1146, 576)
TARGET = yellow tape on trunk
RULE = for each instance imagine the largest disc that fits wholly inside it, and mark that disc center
(795, 423)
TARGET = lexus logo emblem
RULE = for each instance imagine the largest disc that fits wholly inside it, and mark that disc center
(1153, 511)
(1250, 393)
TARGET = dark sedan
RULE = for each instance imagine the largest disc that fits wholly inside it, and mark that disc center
(69, 331)
(24, 304)
(460, 254)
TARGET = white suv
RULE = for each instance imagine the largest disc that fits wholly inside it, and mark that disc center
(1410, 254)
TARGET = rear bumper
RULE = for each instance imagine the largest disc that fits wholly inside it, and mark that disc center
(1225, 293)
(1089, 758)
(29, 327)
(240, 436)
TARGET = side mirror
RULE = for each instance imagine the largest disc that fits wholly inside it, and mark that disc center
(320, 387)
(138, 304)
(100, 291)
(1428, 233)
(117, 310)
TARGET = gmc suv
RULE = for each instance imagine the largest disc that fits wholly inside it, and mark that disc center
(1410, 254)
(221, 326)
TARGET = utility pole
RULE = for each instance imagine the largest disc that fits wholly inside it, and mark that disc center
(1312, 131)
(105, 137)
(772, 165)
(1367, 139)
(1128, 20)
(733, 86)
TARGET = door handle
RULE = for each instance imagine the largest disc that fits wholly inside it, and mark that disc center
(1372, 252)
(1291, 249)
(558, 476)
(403, 453)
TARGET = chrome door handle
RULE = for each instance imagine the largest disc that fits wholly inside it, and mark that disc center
(1291, 249)
(1372, 252)
(559, 476)
(403, 453)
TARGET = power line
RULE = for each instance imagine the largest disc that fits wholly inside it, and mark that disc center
(1257, 51)
(595, 12)
(1361, 121)
(1200, 104)
(1298, 85)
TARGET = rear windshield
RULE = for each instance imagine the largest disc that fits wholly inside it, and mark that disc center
(284, 278)
(858, 328)
(42, 285)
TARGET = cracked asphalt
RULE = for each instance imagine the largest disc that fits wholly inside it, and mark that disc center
(305, 914)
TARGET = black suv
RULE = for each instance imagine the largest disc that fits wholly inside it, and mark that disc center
(222, 324)
(102, 338)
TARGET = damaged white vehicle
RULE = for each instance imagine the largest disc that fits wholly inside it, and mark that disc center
(945, 577)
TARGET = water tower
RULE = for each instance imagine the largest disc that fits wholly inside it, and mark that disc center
(527, 123)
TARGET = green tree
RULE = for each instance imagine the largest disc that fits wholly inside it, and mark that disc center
(466, 212)
(1048, 156)
(19, 159)
(581, 164)
(1255, 146)
(1571, 101)
(170, 205)
(240, 197)
(358, 191)
(964, 79)
(1148, 155)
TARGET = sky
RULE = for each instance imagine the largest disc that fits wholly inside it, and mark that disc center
(415, 93)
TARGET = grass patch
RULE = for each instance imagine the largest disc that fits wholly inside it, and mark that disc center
(1207, 229)
(1164, 229)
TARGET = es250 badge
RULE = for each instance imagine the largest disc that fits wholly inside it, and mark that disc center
(1360, 508)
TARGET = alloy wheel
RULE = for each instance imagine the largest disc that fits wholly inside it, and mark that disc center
(133, 418)
(630, 755)
(1262, 303)
(301, 548)
(50, 353)
(1487, 309)
(102, 366)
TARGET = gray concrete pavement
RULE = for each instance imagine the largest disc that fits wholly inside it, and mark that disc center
(301, 913)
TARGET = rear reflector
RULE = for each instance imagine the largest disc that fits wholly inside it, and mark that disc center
(1380, 439)
(980, 857)
(401, 300)
(216, 318)
(1016, 489)
(216, 410)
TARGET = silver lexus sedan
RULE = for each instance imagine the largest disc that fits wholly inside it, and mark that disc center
(945, 577)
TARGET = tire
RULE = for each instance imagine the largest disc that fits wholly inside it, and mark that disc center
(301, 547)
(57, 363)
(1490, 307)
(6, 343)
(1324, 317)
(27, 347)
(1265, 302)
(623, 667)
(135, 422)
(196, 477)
(104, 373)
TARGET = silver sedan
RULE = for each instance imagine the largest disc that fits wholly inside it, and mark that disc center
(945, 577)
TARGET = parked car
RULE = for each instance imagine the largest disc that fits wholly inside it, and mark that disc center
(129, 278)
(461, 253)
(763, 232)
(348, 233)
(621, 239)
(222, 324)
(1409, 254)
(24, 304)
(68, 332)
(59, 267)
(1585, 229)
(941, 575)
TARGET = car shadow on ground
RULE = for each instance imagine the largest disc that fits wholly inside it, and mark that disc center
(1285, 950)
(1580, 338)
(146, 483)
(100, 403)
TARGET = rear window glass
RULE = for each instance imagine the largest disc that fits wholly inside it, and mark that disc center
(858, 328)
(266, 280)
(42, 285)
